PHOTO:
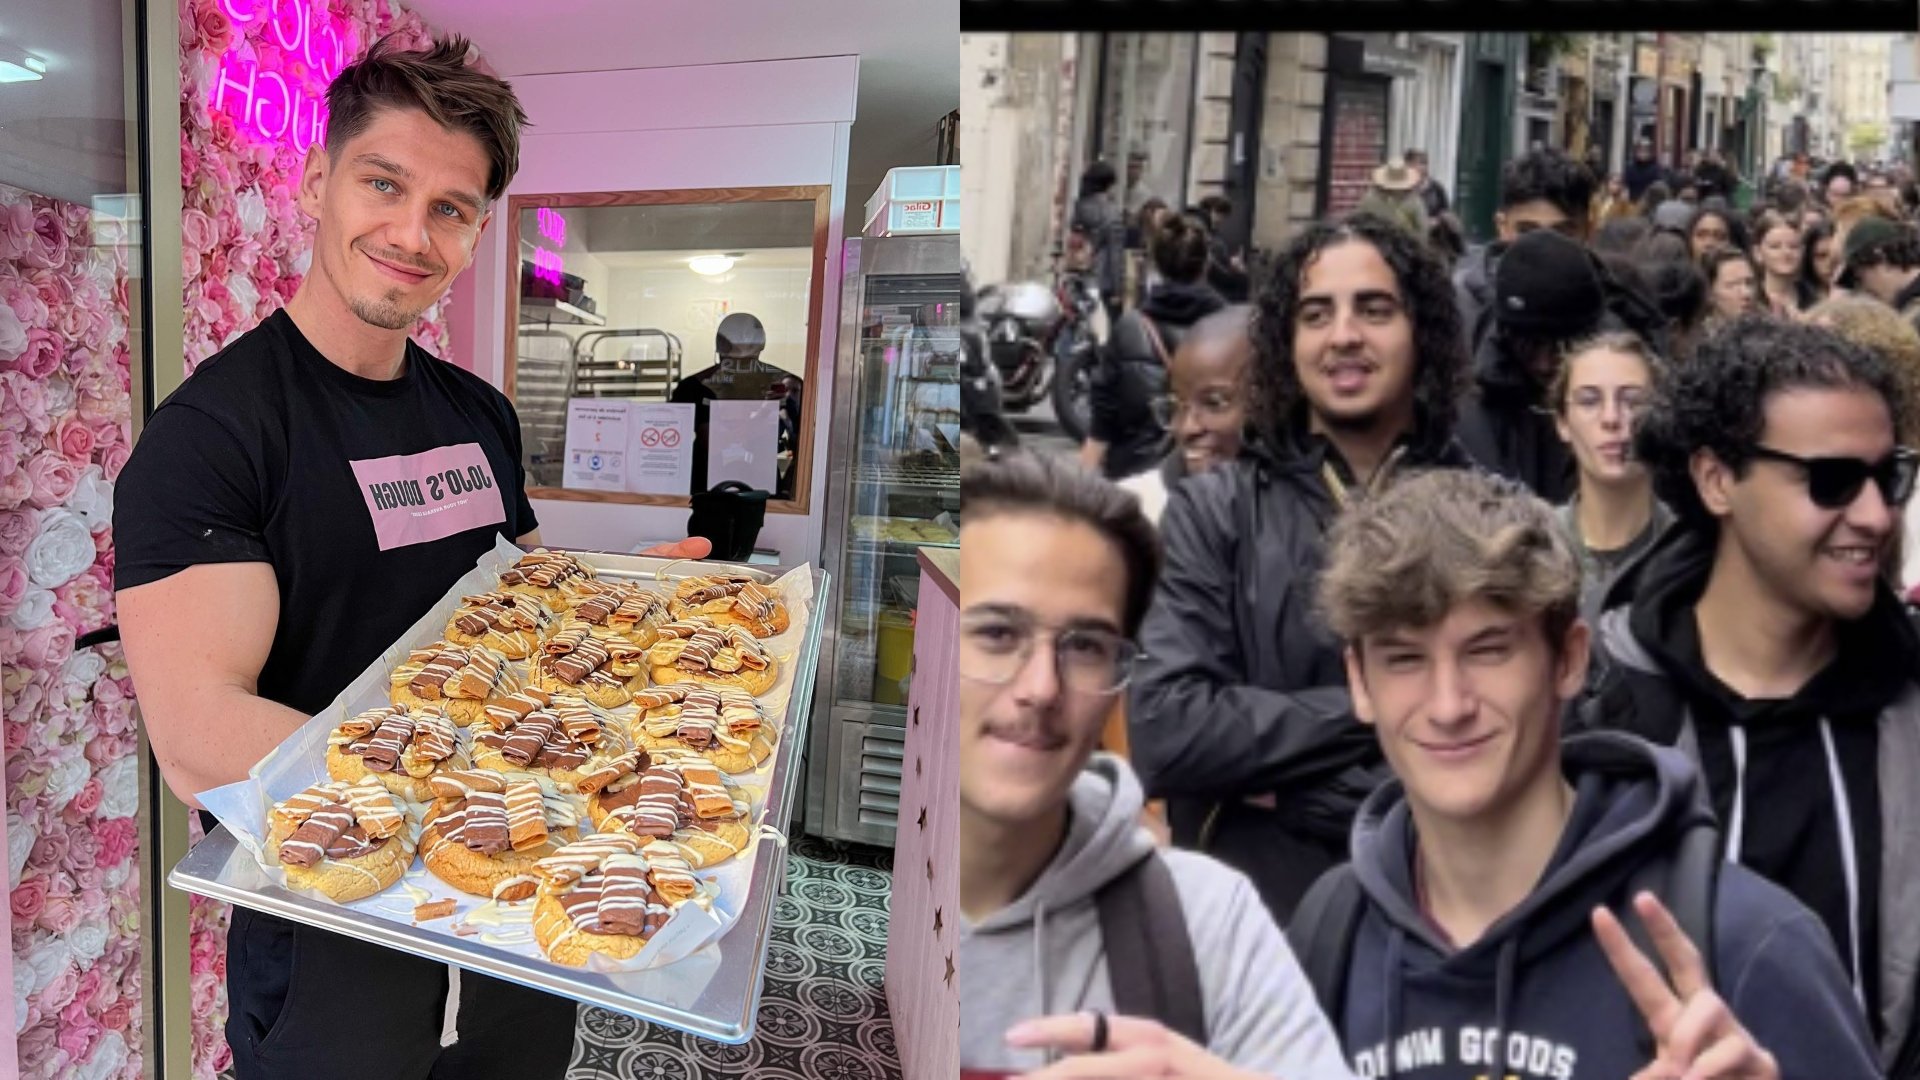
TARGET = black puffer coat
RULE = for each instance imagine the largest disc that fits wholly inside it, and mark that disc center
(1131, 374)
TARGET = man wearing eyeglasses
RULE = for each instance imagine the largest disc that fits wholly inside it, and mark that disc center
(1762, 637)
(1066, 906)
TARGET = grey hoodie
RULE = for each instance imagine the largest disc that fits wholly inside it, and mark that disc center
(1042, 954)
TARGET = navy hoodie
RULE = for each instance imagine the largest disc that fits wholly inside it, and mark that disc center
(1535, 998)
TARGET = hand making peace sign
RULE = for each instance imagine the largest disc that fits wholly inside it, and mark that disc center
(1696, 1036)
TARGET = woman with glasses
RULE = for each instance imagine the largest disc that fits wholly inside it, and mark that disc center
(1614, 517)
(1206, 407)
(1124, 435)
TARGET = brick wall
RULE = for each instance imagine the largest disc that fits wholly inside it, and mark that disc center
(1359, 141)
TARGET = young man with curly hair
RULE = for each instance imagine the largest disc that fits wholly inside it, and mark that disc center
(1240, 715)
(1762, 638)
(1541, 189)
(1479, 928)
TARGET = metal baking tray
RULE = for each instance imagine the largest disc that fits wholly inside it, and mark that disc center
(715, 993)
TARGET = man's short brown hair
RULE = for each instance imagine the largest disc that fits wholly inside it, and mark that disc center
(439, 83)
(1403, 559)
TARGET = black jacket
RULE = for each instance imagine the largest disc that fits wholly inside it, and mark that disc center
(1506, 428)
(1132, 375)
(1106, 228)
(1772, 765)
(1641, 175)
(1242, 693)
(1473, 291)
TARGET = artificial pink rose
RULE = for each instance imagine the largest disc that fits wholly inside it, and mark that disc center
(83, 850)
(16, 229)
(52, 477)
(117, 838)
(38, 1049)
(90, 984)
(202, 998)
(116, 1016)
(13, 453)
(107, 692)
(77, 1039)
(17, 527)
(17, 734)
(48, 646)
(75, 440)
(222, 1058)
(49, 851)
(114, 459)
(88, 799)
(28, 899)
(225, 132)
(42, 355)
(23, 404)
(197, 230)
(210, 22)
(13, 584)
(91, 881)
(14, 490)
(60, 915)
(48, 246)
(21, 295)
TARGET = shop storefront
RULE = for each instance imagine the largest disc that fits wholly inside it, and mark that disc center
(681, 287)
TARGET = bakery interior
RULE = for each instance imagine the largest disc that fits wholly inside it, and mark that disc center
(748, 204)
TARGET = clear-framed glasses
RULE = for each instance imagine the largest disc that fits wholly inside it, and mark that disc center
(1628, 400)
(1210, 404)
(995, 648)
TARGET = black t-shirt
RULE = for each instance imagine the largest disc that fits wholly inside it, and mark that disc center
(369, 498)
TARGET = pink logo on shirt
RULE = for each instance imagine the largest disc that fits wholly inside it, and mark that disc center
(417, 498)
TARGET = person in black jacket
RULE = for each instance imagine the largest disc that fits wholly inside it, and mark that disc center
(1543, 189)
(1126, 435)
(1761, 636)
(1239, 715)
(1100, 225)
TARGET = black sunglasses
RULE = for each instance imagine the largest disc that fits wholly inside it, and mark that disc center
(1834, 482)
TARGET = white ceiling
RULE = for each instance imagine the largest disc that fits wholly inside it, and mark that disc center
(909, 54)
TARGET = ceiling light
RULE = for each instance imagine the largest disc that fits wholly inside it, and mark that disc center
(710, 265)
(17, 66)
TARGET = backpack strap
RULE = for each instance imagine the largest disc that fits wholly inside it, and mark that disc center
(1150, 961)
(1322, 932)
(1154, 339)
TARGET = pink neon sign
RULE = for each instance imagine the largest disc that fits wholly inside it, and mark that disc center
(547, 265)
(285, 101)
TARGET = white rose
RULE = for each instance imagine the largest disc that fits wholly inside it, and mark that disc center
(303, 260)
(89, 943)
(92, 498)
(117, 876)
(22, 989)
(20, 838)
(48, 956)
(83, 668)
(13, 336)
(109, 1057)
(244, 294)
(232, 336)
(60, 393)
(119, 789)
(62, 550)
(66, 780)
(35, 610)
(250, 210)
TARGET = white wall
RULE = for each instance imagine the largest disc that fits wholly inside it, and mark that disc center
(660, 292)
(776, 123)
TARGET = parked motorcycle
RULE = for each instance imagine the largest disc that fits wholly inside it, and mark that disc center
(1035, 335)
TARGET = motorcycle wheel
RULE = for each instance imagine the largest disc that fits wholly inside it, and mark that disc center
(1073, 391)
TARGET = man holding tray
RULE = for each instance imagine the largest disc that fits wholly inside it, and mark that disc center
(294, 507)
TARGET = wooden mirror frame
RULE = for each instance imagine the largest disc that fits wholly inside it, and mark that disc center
(819, 194)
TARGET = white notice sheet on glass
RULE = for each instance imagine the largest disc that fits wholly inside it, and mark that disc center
(660, 449)
(743, 443)
(596, 445)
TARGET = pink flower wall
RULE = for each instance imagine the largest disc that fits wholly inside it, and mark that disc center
(244, 242)
(72, 786)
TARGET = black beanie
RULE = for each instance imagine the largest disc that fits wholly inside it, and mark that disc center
(1547, 286)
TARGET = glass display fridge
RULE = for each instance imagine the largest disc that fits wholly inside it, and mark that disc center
(893, 483)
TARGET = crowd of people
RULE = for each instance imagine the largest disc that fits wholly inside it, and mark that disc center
(1518, 664)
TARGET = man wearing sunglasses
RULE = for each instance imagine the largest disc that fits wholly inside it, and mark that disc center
(1066, 906)
(1761, 636)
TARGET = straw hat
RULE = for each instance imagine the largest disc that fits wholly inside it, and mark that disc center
(1394, 176)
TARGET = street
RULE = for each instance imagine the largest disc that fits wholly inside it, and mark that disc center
(1040, 432)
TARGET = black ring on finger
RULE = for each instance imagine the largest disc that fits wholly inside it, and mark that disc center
(1099, 1032)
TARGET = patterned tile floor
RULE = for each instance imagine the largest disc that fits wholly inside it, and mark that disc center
(823, 1010)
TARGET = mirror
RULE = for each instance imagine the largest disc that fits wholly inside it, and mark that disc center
(662, 342)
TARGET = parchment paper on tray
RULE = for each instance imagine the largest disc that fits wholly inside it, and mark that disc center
(300, 761)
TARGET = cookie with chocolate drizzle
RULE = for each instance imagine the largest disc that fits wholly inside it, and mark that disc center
(694, 649)
(487, 830)
(674, 796)
(344, 841)
(511, 624)
(722, 724)
(609, 893)
(563, 738)
(732, 600)
(542, 574)
(463, 679)
(605, 671)
(617, 610)
(398, 746)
